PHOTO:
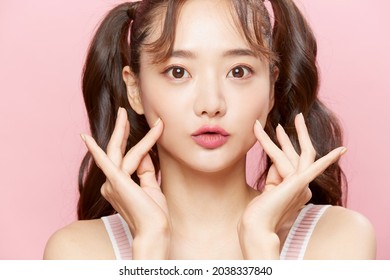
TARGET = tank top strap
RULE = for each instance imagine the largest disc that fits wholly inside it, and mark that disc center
(120, 236)
(299, 235)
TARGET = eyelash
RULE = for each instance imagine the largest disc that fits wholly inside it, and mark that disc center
(169, 70)
(248, 71)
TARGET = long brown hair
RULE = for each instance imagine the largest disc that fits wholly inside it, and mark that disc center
(289, 45)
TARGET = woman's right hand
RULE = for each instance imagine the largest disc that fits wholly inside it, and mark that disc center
(143, 207)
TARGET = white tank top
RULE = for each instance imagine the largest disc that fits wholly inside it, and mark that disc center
(294, 247)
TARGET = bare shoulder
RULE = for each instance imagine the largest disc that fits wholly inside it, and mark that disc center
(342, 234)
(80, 240)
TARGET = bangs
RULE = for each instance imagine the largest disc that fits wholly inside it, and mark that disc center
(250, 17)
(161, 49)
(252, 20)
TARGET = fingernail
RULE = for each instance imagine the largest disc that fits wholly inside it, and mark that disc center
(119, 110)
(157, 122)
(83, 137)
(343, 151)
(259, 124)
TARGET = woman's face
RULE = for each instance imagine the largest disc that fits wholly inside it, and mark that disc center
(209, 93)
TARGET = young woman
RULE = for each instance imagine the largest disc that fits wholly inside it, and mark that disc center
(173, 111)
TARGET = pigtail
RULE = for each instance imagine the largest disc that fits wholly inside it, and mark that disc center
(104, 92)
(296, 91)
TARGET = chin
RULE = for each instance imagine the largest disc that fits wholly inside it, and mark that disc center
(215, 164)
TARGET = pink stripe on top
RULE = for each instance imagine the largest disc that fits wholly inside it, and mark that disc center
(294, 247)
(297, 239)
(120, 236)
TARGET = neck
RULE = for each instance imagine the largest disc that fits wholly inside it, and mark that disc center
(205, 201)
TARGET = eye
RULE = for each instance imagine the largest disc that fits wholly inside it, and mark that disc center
(177, 72)
(240, 72)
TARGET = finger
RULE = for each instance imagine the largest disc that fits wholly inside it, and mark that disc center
(287, 146)
(277, 156)
(273, 178)
(323, 163)
(146, 173)
(118, 138)
(100, 157)
(137, 153)
(308, 153)
(125, 137)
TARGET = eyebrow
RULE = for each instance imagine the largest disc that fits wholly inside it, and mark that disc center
(239, 52)
(228, 53)
(183, 54)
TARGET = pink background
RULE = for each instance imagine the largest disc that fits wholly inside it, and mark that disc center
(42, 48)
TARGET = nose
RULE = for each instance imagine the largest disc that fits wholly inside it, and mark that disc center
(210, 100)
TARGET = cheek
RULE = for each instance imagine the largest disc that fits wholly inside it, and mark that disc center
(171, 111)
(254, 111)
(154, 103)
(257, 109)
(159, 98)
(252, 105)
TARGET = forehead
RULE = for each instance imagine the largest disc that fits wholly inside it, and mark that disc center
(204, 24)
(198, 21)
(207, 24)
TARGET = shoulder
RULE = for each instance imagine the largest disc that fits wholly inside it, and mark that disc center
(80, 240)
(342, 234)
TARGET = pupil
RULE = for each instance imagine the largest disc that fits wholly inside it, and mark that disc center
(238, 72)
(178, 73)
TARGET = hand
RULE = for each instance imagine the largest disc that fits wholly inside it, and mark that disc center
(286, 189)
(143, 207)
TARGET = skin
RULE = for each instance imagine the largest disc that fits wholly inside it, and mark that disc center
(203, 208)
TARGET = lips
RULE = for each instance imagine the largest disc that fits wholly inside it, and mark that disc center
(210, 137)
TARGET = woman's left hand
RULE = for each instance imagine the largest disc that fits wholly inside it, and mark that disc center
(286, 190)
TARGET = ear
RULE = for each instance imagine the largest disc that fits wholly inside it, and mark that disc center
(274, 77)
(133, 91)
